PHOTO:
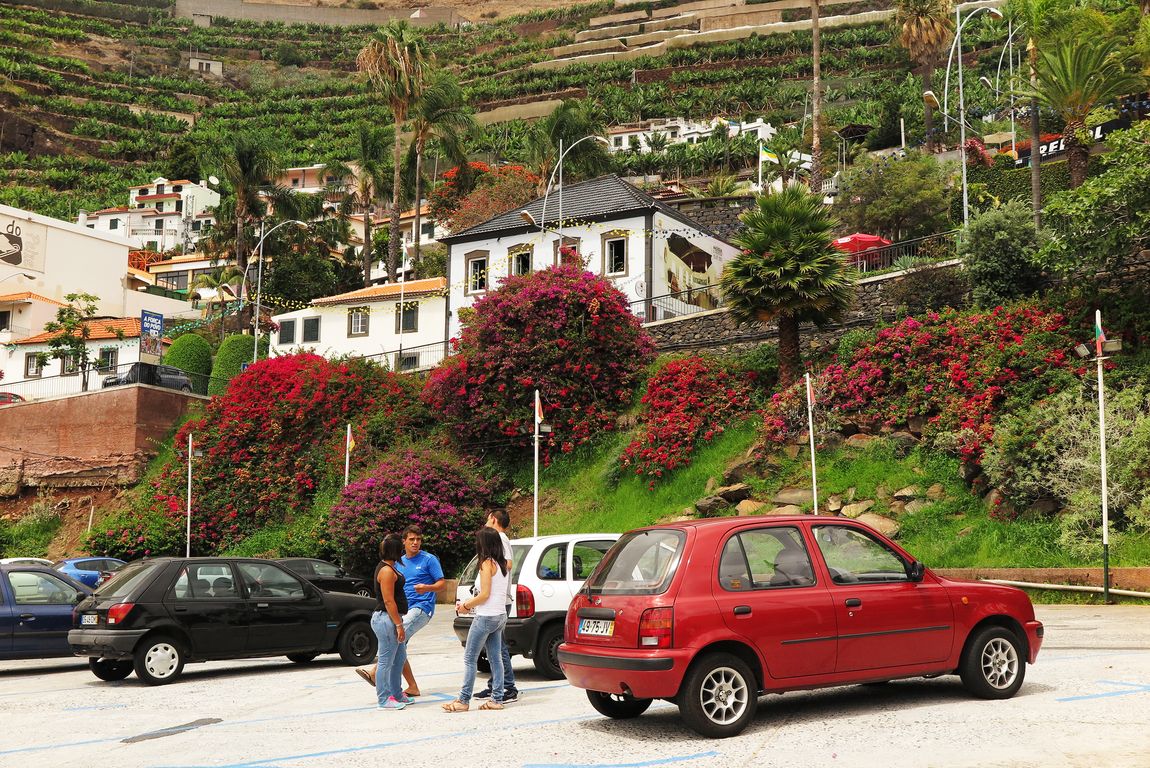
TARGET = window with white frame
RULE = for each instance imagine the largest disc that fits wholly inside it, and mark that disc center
(357, 321)
(70, 364)
(310, 330)
(32, 367)
(571, 244)
(5, 320)
(476, 271)
(519, 260)
(109, 359)
(614, 255)
(407, 317)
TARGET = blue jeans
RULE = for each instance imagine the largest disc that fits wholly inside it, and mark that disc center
(415, 620)
(391, 656)
(508, 671)
(486, 633)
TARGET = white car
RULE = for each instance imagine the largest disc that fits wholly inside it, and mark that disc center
(546, 574)
(25, 561)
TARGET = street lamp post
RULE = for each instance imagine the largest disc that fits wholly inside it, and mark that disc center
(1007, 50)
(559, 168)
(260, 279)
(930, 98)
(24, 275)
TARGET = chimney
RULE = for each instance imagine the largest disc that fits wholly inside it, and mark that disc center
(82, 218)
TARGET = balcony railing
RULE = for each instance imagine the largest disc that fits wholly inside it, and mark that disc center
(680, 304)
(411, 359)
(41, 387)
(938, 247)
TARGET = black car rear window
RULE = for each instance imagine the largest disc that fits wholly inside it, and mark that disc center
(641, 563)
(128, 579)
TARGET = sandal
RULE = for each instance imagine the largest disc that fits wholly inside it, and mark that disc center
(412, 694)
(455, 706)
(491, 705)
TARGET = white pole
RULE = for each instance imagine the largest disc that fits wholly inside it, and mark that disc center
(760, 168)
(91, 514)
(188, 551)
(902, 130)
(402, 285)
(1010, 47)
(811, 434)
(560, 193)
(1102, 445)
(347, 456)
(535, 500)
(259, 289)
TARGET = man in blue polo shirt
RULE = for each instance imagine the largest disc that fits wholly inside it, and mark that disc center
(422, 579)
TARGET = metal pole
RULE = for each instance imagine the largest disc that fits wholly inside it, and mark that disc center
(188, 550)
(1102, 446)
(1010, 47)
(961, 122)
(561, 193)
(535, 494)
(259, 289)
(811, 434)
(347, 456)
(399, 355)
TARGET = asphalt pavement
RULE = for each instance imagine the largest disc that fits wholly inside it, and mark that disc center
(1084, 704)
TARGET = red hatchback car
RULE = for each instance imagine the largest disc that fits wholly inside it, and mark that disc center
(712, 614)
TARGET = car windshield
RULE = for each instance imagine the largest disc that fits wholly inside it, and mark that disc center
(642, 563)
(127, 579)
(518, 553)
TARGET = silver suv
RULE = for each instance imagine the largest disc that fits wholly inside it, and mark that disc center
(546, 573)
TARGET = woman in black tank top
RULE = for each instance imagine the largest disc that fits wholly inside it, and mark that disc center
(387, 621)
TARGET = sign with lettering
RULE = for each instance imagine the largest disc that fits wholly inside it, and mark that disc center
(23, 243)
(151, 336)
(1057, 145)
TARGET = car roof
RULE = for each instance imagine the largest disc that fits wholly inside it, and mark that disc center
(26, 568)
(563, 537)
(709, 522)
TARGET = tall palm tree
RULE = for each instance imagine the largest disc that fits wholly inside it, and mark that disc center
(788, 271)
(247, 162)
(925, 29)
(816, 99)
(439, 114)
(396, 60)
(225, 283)
(367, 172)
(569, 122)
(1074, 79)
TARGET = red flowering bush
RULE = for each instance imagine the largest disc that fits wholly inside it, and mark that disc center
(267, 445)
(688, 401)
(568, 333)
(442, 494)
(959, 371)
(453, 186)
(501, 189)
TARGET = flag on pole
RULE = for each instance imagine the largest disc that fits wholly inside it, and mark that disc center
(1099, 336)
(538, 409)
(766, 154)
(350, 443)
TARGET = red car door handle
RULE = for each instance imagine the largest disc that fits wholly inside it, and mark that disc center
(742, 610)
(852, 602)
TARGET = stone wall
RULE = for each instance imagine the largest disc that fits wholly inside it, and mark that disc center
(720, 214)
(309, 14)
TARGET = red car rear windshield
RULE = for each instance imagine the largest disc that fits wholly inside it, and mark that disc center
(641, 563)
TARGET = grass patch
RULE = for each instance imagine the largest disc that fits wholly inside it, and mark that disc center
(588, 492)
(31, 535)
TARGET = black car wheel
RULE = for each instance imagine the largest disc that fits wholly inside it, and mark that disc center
(993, 665)
(364, 592)
(159, 660)
(547, 651)
(357, 643)
(302, 658)
(719, 696)
(110, 669)
(616, 705)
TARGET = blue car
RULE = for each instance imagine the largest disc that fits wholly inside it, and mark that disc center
(92, 571)
(36, 605)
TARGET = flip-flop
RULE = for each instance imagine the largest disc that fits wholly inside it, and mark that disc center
(409, 693)
(365, 675)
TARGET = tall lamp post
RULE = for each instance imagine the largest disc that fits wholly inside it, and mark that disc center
(559, 169)
(930, 98)
(24, 275)
(260, 279)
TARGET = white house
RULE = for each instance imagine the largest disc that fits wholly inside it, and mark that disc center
(26, 376)
(679, 130)
(24, 314)
(369, 322)
(664, 262)
(159, 216)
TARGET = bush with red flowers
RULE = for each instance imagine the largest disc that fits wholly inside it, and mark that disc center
(441, 493)
(267, 445)
(688, 402)
(568, 333)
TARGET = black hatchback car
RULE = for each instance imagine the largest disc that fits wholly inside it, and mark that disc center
(156, 615)
(328, 576)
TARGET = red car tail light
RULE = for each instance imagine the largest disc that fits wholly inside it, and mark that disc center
(655, 628)
(524, 602)
(118, 612)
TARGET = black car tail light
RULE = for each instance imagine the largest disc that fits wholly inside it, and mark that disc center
(118, 612)
(524, 602)
(655, 627)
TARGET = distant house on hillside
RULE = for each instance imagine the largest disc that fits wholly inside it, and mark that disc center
(664, 262)
(160, 215)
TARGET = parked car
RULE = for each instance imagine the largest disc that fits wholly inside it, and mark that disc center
(329, 576)
(712, 614)
(9, 398)
(36, 605)
(546, 574)
(149, 373)
(25, 561)
(92, 571)
(157, 615)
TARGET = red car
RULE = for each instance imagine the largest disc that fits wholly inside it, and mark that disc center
(712, 614)
(10, 398)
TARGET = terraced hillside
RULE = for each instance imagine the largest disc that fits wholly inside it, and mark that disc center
(97, 95)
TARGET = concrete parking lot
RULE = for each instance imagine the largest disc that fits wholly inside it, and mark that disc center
(1084, 704)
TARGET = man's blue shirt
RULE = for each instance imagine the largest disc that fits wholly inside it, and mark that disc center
(424, 568)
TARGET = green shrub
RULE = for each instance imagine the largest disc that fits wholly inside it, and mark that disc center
(31, 534)
(234, 351)
(998, 251)
(192, 354)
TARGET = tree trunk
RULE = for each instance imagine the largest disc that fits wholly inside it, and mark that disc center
(928, 111)
(419, 146)
(1035, 140)
(395, 240)
(368, 255)
(816, 176)
(1077, 153)
(241, 257)
(790, 356)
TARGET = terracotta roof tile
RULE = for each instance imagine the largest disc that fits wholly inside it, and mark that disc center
(99, 330)
(28, 296)
(388, 290)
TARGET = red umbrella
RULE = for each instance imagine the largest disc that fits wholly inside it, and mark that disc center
(859, 242)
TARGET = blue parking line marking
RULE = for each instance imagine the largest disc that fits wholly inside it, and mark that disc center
(1129, 689)
(643, 764)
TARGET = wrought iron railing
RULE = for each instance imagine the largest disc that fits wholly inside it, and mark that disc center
(411, 359)
(40, 387)
(680, 304)
(937, 247)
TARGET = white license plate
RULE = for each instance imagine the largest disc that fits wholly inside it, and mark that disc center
(601, 627)
(89, 618)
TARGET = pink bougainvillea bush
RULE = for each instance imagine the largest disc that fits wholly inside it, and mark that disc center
(261, 451)
(568, 333)
(688, 401)
(957, 371)
(442, 494)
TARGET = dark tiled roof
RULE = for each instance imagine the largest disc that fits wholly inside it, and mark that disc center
(604, 198)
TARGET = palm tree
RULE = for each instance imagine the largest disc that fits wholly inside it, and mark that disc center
(248, 161)
(1076, 78)
(396, 61)
(925, 28)
(786, 145)
(816, 98)
(569, 122)
(788, 271)
(225, 283)
(439, 114)
(368, 175)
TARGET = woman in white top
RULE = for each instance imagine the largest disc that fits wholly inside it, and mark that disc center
(490, 617)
